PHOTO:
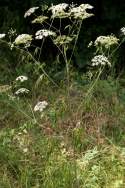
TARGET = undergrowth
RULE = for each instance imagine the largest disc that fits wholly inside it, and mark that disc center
(61, 129)
(65, 147)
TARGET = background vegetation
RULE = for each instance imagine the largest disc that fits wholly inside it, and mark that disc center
(78, 140)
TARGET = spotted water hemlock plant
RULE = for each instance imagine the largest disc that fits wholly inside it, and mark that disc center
(105, 56)
(60, 24)
(74, 13)
(106, 45)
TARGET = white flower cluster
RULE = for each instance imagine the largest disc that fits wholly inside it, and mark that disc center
(30, 11)
(44, 33)
(58, 10)
(65, 10)
(106, 41)
(122, 31)
(21, 91)
(21, 78)
(80, 11)
(90, 44)
(23, 39)
(2, 35)
(100, 60)
(40, 106)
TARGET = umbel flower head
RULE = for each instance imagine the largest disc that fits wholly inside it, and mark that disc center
(100, 60)
(122, 31)
(44, 33)
(80, 12)
(59, 11)
(22, 91)
(106, 41)
(23, 39)
(61, 40)
(22, 78)
(30, 11)
(64, 10)
(40, 106)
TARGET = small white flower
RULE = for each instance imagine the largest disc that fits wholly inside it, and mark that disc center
(11, 46)
(25, 150)
(30, 11)
(2, 35)
(44, 33)
(21, 91)
(72, 5)
(40, 106)
(78, 124)
(100, 60)
(21, 78)
(122, 30)
(23, 39)
(90, 44)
